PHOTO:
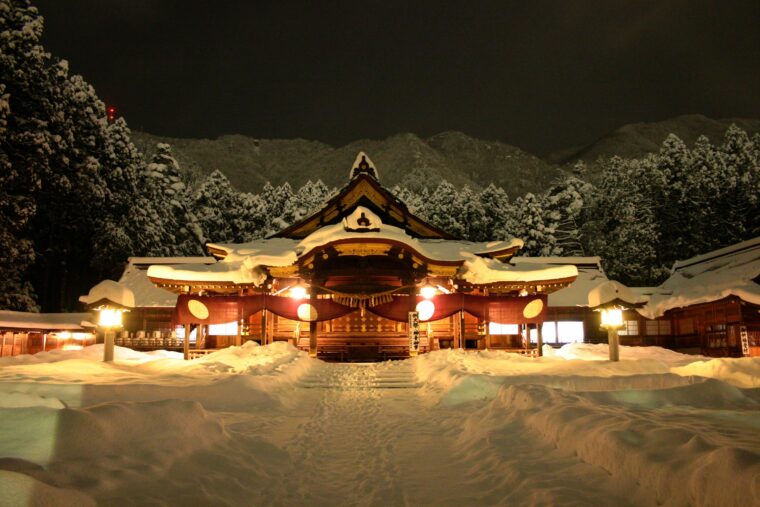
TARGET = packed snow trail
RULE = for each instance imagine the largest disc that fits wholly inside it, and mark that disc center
(270, 426)
(373, 439)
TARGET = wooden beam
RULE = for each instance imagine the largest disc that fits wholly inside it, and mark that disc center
(313, 326)
(264, 325)
(540, 339)
(186, 343)
(461, 336)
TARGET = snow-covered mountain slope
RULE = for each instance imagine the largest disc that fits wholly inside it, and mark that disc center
(404, 159)
(635, 140)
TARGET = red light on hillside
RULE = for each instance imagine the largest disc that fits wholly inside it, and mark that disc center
(111, 113)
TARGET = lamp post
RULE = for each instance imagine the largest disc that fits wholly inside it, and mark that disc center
(110, 299)
(612, 320)
(109, 319)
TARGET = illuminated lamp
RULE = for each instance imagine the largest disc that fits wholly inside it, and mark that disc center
(298, 292)
(428, 291)
(425, 309)
(612, 318)
(109, 318)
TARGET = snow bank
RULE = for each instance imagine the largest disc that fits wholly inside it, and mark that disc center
(600, 352)
(459, 376)
(742, 372)
(675, 463)
(22, 489)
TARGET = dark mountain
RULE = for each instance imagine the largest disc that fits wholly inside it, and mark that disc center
(637, 139)
(409, 160)
(401, 159)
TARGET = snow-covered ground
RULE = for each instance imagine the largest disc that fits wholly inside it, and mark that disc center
(270, 426)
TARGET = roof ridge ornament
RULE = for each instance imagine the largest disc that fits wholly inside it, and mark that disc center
(363, 165)
(362, 220)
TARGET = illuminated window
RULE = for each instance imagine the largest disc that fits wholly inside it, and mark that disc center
(495, 328)
(180, 331)
(549, 331)
(226, 329)
(570, 331)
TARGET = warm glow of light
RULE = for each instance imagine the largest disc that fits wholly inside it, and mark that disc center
(298, 292)
(72, 346)
(63, 335)
(612, 317)
(428, 291)
(110, 317)
(425, 309)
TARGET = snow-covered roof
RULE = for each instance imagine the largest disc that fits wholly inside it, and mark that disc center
(245, 263)
(590, 274)
(45, 321)
(147, 295)
(730, 271)
(109, 291)
(615, 292)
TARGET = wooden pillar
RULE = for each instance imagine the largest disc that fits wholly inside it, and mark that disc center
(461, 336)
(412, 308)
(199, 337)
(263, 326)
(540, 338)
(313, 325)
(239, 334)
(487, 334)
(186, 343)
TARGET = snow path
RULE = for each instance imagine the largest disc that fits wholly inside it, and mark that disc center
(269, 426)
(372, 439)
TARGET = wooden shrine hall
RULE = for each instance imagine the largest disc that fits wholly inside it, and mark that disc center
(362, 279)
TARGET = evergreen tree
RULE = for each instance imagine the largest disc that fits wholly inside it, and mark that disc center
(285, 201)
(16, 208)
(416, 201)
(497, 210)
(564, 206)
(444, 211)
(530, 227)
(623, 230)
(473, 215)
(162, 222)
(740, 205)
(213, 206)
(251, 221)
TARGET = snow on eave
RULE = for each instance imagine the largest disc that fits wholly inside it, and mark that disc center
(483, 271)
(614, 292)
(147, 261)
(659, 304)
(44, 321)
(593, 262)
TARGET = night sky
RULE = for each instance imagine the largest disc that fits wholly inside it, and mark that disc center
(539, 75)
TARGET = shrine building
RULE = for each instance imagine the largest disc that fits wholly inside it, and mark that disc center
(361, 278)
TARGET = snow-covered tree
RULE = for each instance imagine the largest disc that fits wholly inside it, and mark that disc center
(564, 205)
(530, 227)
(443, 209)
(622, 227)
(16, 208)
(416, 201)
(496, 208)
(473, 215)
(162, 222)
